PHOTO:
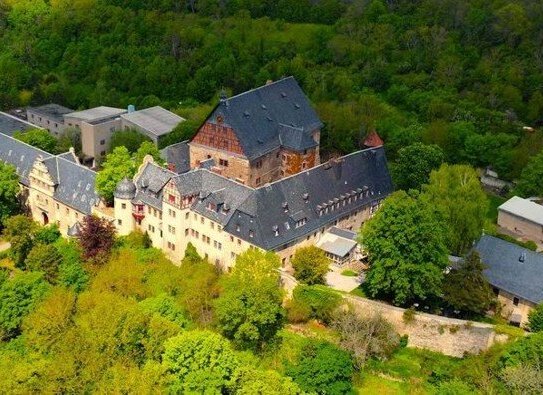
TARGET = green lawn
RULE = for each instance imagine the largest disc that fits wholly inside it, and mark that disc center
(349, 273)
(494, 202)
(407, 372)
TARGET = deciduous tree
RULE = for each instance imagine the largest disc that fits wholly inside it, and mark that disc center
(44, 258)
(531, 179)
(19, 231)
(455, 191)
(414, 164)
(39, 138)
(405, 242)
(9, 191)
(96, 238)
(322, 368)
(249, 310)
(310, 265)
(466, 288)
(199, 362)
(118, 165)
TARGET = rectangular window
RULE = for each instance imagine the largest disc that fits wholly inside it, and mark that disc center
(171, 198)
(119, 222)
(257, 181)
(187, 215)
(515, 301)
(123, 206)
(223, 162)
(102, 142)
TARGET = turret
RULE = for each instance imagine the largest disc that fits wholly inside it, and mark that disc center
(124, 194)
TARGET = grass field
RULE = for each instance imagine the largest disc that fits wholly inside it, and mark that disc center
(407, 372)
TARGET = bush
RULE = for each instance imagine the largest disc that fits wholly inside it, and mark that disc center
(409, 315)
(526, 244)
(310, 265)
(313, 302)
(365, 337)
(535, 319)
(322, 368)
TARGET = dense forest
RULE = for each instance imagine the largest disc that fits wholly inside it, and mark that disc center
(464, 74)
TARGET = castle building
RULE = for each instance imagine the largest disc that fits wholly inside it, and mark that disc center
(260, 136)
(213, 193)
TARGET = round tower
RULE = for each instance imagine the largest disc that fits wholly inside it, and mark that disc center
(123, 195)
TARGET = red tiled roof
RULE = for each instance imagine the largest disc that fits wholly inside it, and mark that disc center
(373, 140)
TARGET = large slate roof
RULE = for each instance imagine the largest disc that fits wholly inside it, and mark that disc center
(75, 183)
(264, 216)
(267, 216)
(260, 116)
(506, 271)
(10, 124)
(177, 156)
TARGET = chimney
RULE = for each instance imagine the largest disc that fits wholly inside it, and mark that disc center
(223, 99)
(522, 257)
(131, 108)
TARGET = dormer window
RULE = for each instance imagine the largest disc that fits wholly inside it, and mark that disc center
(276, 230)
(238, 228)
(211, 206)
(301, 222)
(251, 234)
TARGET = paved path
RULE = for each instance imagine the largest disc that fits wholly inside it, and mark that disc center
(4, 245)
(335, 280)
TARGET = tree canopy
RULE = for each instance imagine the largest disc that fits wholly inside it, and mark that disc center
(310, 265)
(118, 165)
(405, 242)
(249, 309)
(414, 164)
(9, 191)
(39, 138)
(456, 193)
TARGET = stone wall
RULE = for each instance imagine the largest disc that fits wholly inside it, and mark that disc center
(448, 336)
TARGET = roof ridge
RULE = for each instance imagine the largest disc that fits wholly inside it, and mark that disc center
(261, 87)
(316, 167)
(28, 145)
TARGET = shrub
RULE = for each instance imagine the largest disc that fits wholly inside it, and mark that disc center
(535, 319)
(409, 315)
(322, 368)
(365, 337)
(310, 265)
(313, 301)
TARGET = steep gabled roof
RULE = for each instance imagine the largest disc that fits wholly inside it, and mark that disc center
(512, 268)
(278, 213)
(256, 116)
(268, 218)
(75, 184)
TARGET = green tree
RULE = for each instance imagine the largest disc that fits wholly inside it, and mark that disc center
(322, 368)
(18, 296)
(47, 234)
(414, 164)
(531, 178)
(71, 273)
(199, 362)
(249, 310)
(39, 138)
(117, 166)
(200, 282)
(44, 258)
(130, 139)
(455, 191)
(313, 301)
(466, 288)
(70, 138)
(248, 381)
(535, 319)
(9, 191)
(406, 246)
(310, 265)
(147, 148)
(19, 231)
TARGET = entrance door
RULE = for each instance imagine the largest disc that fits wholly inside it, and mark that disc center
(45, 218)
